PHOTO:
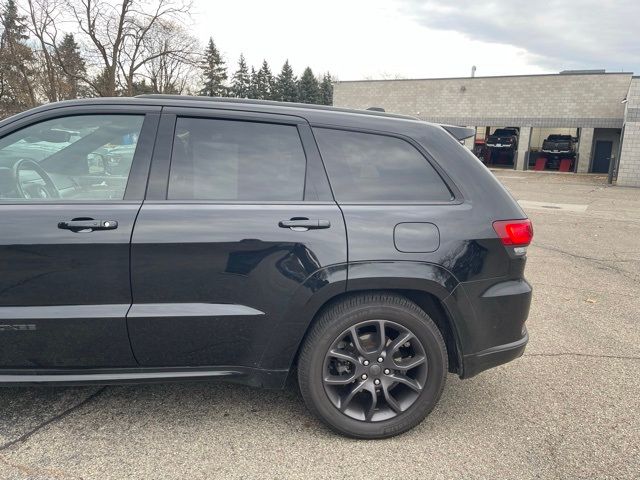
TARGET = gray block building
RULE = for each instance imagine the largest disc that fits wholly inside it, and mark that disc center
(600, 111)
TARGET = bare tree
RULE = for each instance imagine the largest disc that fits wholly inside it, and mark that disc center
(118, 32)
(158, 42)
(173, 59)
(62, 69)
(43, 16)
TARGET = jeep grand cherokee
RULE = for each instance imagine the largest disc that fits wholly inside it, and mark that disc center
(244, 240)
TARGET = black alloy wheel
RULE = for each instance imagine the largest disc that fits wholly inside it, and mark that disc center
(375, 370)
(372, 366)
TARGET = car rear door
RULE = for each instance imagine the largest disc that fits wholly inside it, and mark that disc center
(64, 241)
(238, 217)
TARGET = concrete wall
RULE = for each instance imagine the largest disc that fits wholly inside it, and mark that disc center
(629, 168)
(573, 100)
(470, 142)
(523, 147)
(585, 149)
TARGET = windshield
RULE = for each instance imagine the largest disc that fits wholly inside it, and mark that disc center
(504, 132)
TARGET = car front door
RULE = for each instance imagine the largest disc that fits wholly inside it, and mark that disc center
(72, 181)
(238, 220)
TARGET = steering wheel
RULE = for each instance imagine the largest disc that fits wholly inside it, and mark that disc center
(35, 190)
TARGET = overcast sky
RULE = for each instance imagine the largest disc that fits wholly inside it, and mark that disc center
(357, 39)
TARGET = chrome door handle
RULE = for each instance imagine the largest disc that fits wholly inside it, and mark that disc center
(88, 225)
(304, 224)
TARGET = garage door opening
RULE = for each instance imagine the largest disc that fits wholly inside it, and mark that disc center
(497, 146)
(553, 149)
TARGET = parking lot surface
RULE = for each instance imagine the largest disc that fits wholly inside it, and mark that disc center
(569, 408)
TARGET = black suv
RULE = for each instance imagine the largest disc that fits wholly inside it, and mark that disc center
(564, 145)
(503, 138)
(167, 238)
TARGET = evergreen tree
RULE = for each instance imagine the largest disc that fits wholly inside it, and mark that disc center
(142, 87)
(326, 90)
(264, 82)
(71, 67)
(241, 81)
(253, 84)
(308, 88)
(16, 61)
(214, 72)
(100, 81)
(286, 88)
(13, 25)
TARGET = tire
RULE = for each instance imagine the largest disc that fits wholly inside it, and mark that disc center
(332, 367)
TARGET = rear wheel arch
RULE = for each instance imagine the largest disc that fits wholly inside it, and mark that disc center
(427, 301)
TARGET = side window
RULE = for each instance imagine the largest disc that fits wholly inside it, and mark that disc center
(82, 157)
(366, 167)
(229, 160)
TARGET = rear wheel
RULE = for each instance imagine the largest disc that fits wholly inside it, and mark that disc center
(373, 366)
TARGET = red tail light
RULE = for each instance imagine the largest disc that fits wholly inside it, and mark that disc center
(515, 233)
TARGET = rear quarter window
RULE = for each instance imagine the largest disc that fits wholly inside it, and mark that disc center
(367, 167)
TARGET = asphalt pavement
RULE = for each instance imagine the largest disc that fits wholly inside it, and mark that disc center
(569, 408)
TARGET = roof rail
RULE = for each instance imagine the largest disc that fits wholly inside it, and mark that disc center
(252, 101)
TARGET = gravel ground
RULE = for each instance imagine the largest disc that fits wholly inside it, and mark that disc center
(569, 408)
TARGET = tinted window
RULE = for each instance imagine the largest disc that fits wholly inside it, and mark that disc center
(83, 157)
(236, 160)
(366, 167)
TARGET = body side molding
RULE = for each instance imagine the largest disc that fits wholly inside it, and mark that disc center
(122, 376)
(140, 310)
(116, 310)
